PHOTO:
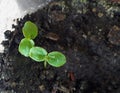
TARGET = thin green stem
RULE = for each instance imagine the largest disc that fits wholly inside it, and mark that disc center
(45, 64)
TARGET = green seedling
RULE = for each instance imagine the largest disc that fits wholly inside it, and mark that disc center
(39, 54)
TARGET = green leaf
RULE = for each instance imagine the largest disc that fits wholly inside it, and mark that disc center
(25, 46)
(56, 59)
(30, 30)
(38, 54)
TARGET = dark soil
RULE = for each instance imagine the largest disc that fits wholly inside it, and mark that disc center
(90, 40)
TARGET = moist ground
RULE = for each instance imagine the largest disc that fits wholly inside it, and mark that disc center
(90, 39)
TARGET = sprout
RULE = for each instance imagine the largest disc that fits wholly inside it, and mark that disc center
(39, 54)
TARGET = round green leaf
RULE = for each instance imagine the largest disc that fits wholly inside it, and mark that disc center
(37, 53)
(25, 46)
(30, 30)
(56, 59)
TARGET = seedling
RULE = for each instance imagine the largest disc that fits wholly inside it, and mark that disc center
(28, 49)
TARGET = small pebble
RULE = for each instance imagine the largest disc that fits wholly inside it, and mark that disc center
(94, 10)
(100, 14)
(100, 30)
(84, 36)
(42, 88)
(13, 84)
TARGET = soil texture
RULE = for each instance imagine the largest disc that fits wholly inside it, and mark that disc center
(85, 31)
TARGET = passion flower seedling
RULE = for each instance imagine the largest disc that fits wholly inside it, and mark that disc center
(28, 49)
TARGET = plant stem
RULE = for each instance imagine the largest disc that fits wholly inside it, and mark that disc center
(45, 64)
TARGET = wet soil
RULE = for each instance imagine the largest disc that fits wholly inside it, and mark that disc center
(90, 39)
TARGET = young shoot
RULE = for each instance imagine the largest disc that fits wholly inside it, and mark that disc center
(28, 49)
